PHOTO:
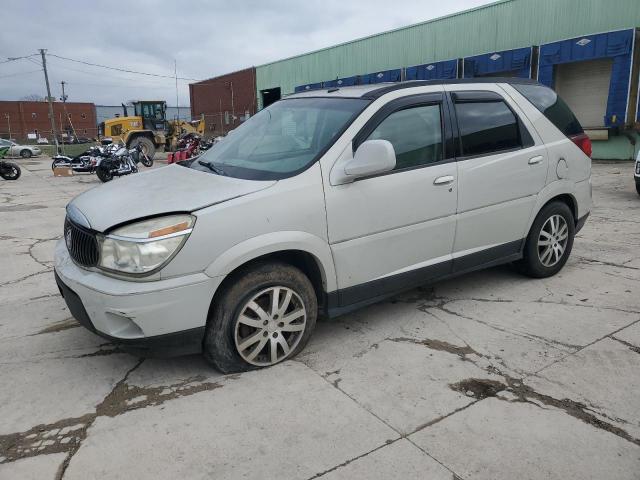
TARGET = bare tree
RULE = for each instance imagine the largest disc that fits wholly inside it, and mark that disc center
(34, 97)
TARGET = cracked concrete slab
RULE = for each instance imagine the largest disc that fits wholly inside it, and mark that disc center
(47, 391)
(630, 335)
(401, 459)
(406, 384)
(34, 468)
(498, 440)
(605, 377)
(22, 318)
(510, 351)
(291, 425)
(568, 327)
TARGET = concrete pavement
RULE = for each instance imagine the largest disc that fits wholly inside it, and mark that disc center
(487, 376)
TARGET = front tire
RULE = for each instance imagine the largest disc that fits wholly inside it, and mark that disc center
(638, 187)
(549, 242)
(25, 153)
(104, 174)
(265, 315)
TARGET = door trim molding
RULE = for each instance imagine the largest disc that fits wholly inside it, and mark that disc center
(351, 298)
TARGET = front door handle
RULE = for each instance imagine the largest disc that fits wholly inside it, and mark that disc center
(446, 180)
(536, 160)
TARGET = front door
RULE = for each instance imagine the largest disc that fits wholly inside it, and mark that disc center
(396, 230)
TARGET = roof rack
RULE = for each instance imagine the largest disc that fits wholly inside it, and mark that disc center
(378, 92)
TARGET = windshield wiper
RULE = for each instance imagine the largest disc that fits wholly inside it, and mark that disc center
(211, 167)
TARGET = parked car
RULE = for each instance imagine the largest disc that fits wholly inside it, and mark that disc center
(322, 203)
(25, 151)
(636, 173)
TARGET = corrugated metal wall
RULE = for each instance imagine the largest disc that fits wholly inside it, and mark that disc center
(499, 26)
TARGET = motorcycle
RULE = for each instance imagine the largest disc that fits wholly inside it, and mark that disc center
(86, 162)
(188, 147)
(8, 170)
(122, 162)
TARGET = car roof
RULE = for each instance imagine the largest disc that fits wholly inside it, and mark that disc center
(376, 90)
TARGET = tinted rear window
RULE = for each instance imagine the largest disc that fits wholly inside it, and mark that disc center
(552, 106)
(486, 128)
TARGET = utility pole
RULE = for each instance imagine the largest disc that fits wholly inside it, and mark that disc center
(8, 124)
(64, 109)
(233, 110)
(221, 120)
(175, 72)
(49, 99)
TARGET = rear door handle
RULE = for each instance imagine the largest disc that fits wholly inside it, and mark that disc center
(536, 160)
(446, 180)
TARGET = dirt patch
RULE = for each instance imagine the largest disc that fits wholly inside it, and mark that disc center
(440, 346)
(478, 388)
(60, 326)
(482, 388)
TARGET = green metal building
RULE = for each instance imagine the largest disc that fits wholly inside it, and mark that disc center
(586, 49)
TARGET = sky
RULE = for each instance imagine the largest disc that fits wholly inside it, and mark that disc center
(204, 38)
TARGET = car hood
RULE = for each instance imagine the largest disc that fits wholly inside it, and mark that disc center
(154, 192)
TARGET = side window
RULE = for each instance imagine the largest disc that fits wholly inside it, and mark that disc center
(415, 133)
(487, 127)
(552, 106)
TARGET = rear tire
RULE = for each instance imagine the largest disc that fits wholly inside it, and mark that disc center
(25, 153)
(638, 187)
(104, 174)
(10, 171)
(59, 163)
(549, 242)
(248, 329)
(147, 146)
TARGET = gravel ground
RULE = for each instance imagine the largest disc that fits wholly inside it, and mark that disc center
(487, 376)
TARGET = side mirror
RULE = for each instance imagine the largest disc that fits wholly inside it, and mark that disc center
(371, 157)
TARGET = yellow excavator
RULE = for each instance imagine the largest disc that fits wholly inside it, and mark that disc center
(149, 127)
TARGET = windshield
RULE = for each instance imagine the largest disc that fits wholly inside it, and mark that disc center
(281, 140)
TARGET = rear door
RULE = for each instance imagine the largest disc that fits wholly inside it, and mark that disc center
(502, 165)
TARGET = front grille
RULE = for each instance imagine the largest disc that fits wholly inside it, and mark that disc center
(81, 243)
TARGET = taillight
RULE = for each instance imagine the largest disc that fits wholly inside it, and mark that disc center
(583, 142)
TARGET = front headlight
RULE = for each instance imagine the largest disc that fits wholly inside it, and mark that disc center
(142, 247)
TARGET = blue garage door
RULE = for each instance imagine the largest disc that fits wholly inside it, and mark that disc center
(310, 86)
(341, 82)
(433, 71)
(378, 77)
(615, 45)
(513, 63)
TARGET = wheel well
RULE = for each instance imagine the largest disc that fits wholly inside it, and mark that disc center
(300, 259)
(569, 201)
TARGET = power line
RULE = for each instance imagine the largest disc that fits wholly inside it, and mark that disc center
(20, 73)
(56, 64)
(13, 59)
(120, 69)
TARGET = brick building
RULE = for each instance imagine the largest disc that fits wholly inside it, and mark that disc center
(225, 101)
(18, 119)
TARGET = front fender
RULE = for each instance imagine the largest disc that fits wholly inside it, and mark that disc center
(261, 245)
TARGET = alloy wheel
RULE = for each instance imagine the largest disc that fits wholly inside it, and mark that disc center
(270, 326)
(552, 241)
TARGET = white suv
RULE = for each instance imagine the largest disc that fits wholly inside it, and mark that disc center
(321, 203)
